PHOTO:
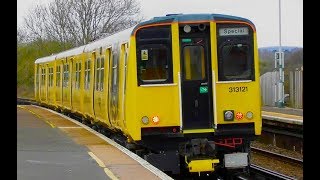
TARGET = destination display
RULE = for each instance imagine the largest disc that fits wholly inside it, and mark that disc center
(233, 31)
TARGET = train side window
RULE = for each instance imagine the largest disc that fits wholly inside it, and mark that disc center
(79, 75)
(102, 74)
(65, 75)
(58, 76)
(194, 64)
(87, 74)
(37, 77)
(76, 76)
(97, 83)
(125, 68)
(43, 76)
(50, 77)
(114, 72)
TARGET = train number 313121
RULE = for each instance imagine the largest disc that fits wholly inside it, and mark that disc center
(238, 89)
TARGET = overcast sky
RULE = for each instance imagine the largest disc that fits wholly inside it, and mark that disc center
(263, 13)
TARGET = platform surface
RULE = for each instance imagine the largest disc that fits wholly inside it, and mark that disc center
(50, 146)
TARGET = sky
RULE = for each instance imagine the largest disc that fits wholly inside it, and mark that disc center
(263, 13)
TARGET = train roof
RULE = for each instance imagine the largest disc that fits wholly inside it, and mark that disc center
(46, 59)
(111, 40)
(169, 18)
(124, 35)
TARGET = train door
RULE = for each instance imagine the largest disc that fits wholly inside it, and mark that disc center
(196, 81)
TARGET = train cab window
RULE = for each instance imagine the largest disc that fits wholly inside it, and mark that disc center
(58, 71)
(154, 66)
(235, 62)
(194, 64)
(154, 55)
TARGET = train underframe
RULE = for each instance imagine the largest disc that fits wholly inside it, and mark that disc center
(200, 154)
(219, 154)
(197, 153)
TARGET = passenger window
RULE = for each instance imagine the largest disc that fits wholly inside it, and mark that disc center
(87, 75)
(98, 74)
(58, 76)
(102, 74)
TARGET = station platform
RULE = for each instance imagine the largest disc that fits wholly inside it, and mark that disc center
(53, 146)
(285, 115)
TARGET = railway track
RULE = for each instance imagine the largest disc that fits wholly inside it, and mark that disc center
(259, 172)
(25, 101)
(277, 156)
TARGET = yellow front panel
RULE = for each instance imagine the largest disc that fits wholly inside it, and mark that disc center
(158, 101)
(240, 97)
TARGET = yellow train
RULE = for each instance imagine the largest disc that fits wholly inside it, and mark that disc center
(182, 90)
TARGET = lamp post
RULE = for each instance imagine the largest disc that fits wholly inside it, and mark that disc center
(279, 63)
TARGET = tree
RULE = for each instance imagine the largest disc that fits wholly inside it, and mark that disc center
(81, 21)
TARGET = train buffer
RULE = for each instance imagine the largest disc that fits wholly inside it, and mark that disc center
(53, 146)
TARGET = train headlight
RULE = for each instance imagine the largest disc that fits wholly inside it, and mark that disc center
(249, 115)
(187, 28)
(155, 120)
(239, 115)
(228, 115)
(145, 120)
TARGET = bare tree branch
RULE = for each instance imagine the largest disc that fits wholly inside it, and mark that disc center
(81, 21)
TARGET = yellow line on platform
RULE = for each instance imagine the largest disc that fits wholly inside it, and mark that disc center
(110, 174)
(48, 122)
(101, 164)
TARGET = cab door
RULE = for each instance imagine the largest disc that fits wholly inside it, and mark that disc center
(196, 80)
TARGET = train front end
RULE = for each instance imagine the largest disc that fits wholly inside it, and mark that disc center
(195, 92)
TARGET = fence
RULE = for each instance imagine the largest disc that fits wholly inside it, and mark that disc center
(269, 89)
